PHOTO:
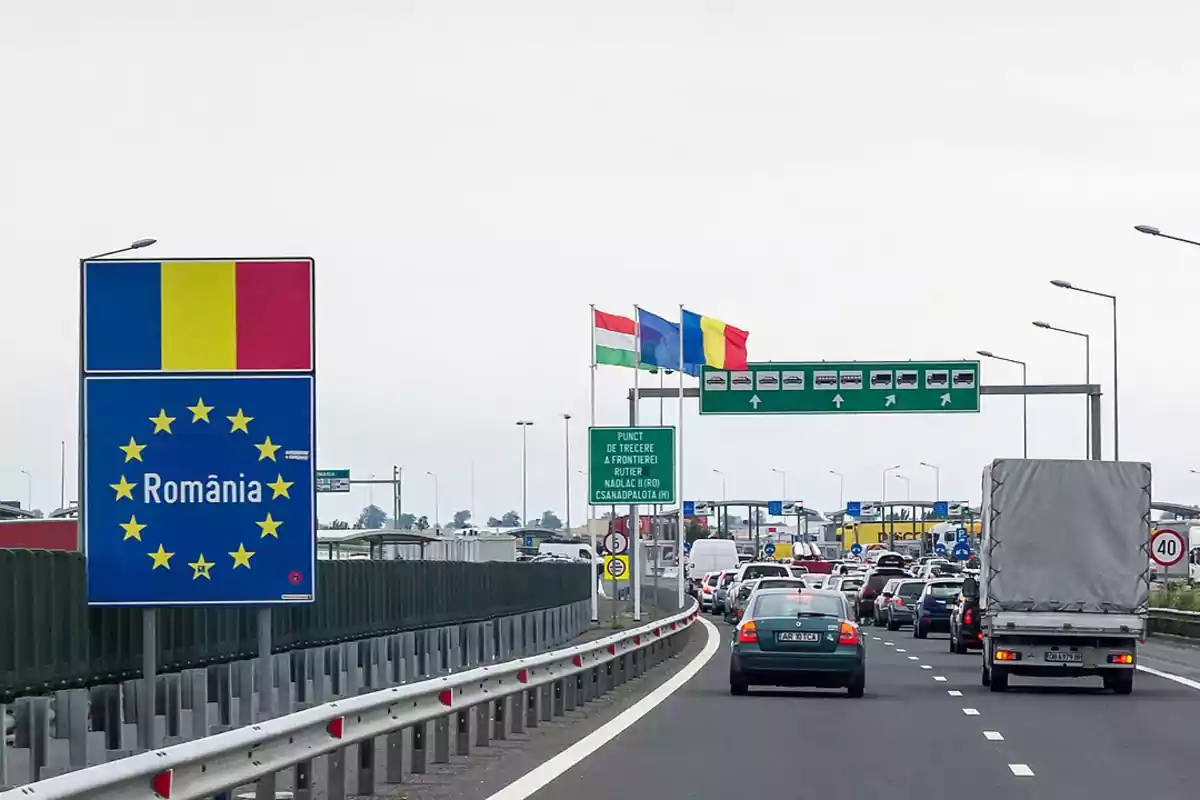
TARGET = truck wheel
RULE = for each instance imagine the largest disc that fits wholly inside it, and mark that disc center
(1122, 682)
(999, 679)
(953, 642)
(985, 678)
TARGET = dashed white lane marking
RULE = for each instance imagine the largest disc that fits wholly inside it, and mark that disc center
(940, 678)
(971, 712)
(547, 771)
(875, 638)
(954, 693)
(993, 736)
(926, 666)
(901, 650)
(913, 658)
(1021, 770)
(1188, 682)
(890, 644)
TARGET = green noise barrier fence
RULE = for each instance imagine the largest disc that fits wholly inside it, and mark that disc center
(50, 639)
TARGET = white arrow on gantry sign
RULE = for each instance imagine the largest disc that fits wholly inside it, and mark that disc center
(754, 401)
(837, 400)
(945, 399)
(890, 400)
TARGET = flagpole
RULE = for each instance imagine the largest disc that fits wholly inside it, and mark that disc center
(682, 533)
(635, 532)
(591, 508)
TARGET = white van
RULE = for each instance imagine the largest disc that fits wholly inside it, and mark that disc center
(711, 555)
(575, 551)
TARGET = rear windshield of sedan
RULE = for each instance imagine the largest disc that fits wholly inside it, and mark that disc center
(944, 590)
(792, 603)
(712, 579)
(765, 570)
(780, 583)
(850, 583)
(912, 588)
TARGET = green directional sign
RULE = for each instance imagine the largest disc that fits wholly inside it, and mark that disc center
(333, 480)
(848, 387)
(630, 466)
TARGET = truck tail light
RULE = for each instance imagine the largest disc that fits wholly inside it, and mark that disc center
(1007, 655)
(1121, 658)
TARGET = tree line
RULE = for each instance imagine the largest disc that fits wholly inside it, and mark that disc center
(372, 517)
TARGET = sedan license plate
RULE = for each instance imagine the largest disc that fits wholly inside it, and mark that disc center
(798, 636)
(1064, 657)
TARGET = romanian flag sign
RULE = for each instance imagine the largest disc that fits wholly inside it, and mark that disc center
(198, 432)
(198, 316)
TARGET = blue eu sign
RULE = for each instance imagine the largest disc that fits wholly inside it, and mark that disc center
(854, 508)
(199, 490)
(941, 509)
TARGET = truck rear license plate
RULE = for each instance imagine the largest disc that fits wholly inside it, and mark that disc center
(1063, 657)
(799, 636)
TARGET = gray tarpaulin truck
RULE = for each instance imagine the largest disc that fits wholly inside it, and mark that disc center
(1064, 577)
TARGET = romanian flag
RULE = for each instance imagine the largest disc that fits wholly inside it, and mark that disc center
(710, 341)
(198, 316)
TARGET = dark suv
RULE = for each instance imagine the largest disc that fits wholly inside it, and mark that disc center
(965, 631)
(876, 579)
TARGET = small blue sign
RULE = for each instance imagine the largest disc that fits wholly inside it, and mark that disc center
(687, 547)
(961, 535)
(941, 508)
(940, 549)
(689, 508)
(529, 540)
(775, 508)
(854, 508)
(856, 549)
(962, 551)
(769, 548)
(199, 490)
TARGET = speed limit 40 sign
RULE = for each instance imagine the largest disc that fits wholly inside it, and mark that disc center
(1167, 547)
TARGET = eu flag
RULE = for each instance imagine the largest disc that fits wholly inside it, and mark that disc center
(199, 490)
(658, 342)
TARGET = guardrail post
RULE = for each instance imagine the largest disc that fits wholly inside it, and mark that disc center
(441, 740)
(336, 775)
(501, 719)
(559, 689)
(283, 682)
(531, 708)
(264, 789)
(546, 702)
(569, 685)
(300, 671)
(596, 681)
(174, 709)
(333, 659)
(70, 723)
(394, 746)
(483, 718)
(419, 732)
(245, 671)
(302, 780)
(580, 688)
(224, 674)
(320, 678)
(198, 680)
(462, 733)
(33, 727)
(352, 654)
(366, 768)
(114, 729)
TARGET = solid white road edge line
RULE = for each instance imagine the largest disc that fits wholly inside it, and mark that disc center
(1188, 682)
(536, 779)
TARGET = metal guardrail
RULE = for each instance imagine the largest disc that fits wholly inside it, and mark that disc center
(1176, 622)
(504, 697)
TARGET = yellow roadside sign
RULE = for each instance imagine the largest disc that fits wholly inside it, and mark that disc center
(616, 568)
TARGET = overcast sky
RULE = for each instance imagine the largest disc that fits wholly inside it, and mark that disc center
(846, 181)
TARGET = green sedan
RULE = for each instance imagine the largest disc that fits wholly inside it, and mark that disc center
(790, 637)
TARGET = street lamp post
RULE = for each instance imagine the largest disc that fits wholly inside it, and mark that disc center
(28, 489)
(722, 474)
(782, 474)
(907, 486)
(1116, 390)
(567, 472)
(937, 479)
(437, 503)
(841, 489)
(892, 527)
(1087, 376)
(524, 425)
(1153, 231)
(1024, 397)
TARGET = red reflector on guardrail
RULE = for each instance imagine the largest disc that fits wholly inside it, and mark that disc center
(335, 726)
(522, 677)
(637, 639)
(672, 626)
(612, 649)
(577, 660)
(658, 631)
(445, 697)
(160, 784)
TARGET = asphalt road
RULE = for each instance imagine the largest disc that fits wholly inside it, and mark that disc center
(912, 736)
